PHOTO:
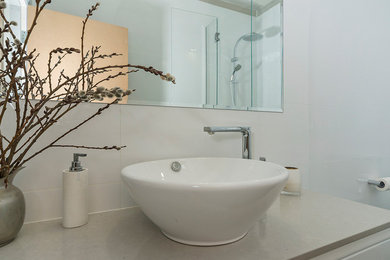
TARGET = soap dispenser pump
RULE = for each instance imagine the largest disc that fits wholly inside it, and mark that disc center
(76, 164)
(75, 194)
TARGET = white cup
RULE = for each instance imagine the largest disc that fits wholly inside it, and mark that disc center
(293, 186)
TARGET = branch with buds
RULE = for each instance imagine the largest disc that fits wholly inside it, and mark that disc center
(30, 93)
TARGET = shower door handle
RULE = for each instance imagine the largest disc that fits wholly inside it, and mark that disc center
(217, 39)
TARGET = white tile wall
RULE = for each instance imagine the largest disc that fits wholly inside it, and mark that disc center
(349, 89)
(42, 204)
(159, 132)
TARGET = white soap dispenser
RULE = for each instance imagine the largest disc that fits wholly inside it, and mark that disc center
(75, 194)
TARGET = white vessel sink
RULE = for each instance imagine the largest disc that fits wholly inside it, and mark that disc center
(210, 201)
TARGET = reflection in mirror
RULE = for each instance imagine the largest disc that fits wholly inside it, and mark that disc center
(224, 53)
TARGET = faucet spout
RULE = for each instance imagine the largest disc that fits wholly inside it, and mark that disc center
(246, 136)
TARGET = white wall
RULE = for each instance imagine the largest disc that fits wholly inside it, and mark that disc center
(160, 132)
(349, 97)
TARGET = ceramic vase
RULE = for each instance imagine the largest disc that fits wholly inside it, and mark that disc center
(12, 211)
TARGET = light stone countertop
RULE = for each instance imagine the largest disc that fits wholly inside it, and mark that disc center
(294, 228)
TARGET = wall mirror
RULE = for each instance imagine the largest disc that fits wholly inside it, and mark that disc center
(225, 54)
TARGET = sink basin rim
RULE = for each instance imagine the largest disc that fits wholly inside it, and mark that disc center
(283, 173)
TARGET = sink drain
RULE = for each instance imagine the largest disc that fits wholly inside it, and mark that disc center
(176, 166)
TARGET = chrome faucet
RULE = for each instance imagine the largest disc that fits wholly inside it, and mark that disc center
(246, 136)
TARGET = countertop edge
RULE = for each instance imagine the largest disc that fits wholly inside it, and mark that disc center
(340, 243)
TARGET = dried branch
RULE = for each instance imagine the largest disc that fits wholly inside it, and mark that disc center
(98, 112)
(118, 148)
(22, 84)
(90, 13)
